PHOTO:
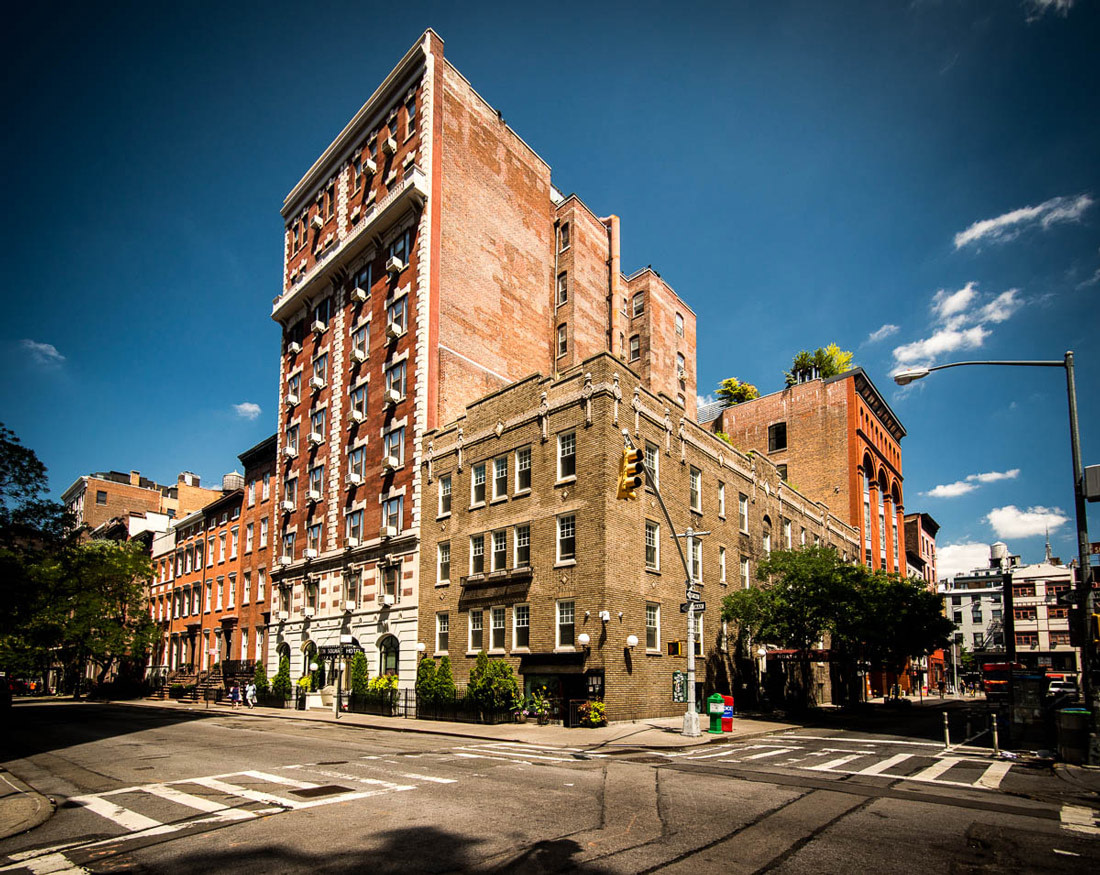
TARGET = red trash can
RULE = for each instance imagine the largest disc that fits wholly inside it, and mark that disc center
(727, 715)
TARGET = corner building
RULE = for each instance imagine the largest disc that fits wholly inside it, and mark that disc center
(428, 262)
(525, 548)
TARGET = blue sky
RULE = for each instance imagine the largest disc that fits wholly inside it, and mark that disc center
(917, 181)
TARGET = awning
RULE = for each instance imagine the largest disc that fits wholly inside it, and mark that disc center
(552, 663)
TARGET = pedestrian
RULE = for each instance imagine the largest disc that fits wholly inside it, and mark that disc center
(235, 696)
(943, 688)
(250, 694)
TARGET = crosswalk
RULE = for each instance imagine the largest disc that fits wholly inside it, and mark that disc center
(928, 766)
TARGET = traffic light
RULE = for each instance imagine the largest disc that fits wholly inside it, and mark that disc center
(1094, 627)
(631, 474)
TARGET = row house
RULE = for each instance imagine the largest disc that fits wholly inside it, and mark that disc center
(428, 261)
(527, 554)
(95, 499)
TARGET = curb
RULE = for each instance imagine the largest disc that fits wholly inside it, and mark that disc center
(22, 808)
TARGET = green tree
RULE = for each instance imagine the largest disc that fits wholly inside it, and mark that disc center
(477, 675)
(259, 678)
(827, 361)
(425, 680)
(360, 677)
(733, 391)
(280, 684)
(445, 680)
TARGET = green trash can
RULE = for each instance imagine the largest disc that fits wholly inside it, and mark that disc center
(1073, 735)
(716, 707)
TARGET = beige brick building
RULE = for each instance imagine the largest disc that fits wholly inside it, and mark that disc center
(97, 498)
(525, 549)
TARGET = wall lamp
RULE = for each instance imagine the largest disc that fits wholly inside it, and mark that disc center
(631, 641)
(584, 640)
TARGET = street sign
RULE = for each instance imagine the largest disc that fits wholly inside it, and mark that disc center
(699, 607)
(694, 595)
(679, 687)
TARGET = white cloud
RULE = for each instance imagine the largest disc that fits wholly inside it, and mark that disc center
(44, 355)
(951, 307)
(247, 410)
(1002, 307)
(960, 558)
(950, 490)
(1011, 522)
(1036, 9)
(882, 333)
(1009, 226)
(943, 341)
(994, 476)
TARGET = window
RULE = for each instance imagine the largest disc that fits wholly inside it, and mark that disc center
(321, 311)
(477, 484)
(746, 580)
(320, 369)
(101, 497)
(232, 591)
(263, 532)
(397, 316)
(395, 378)
(395, 445)
(721, 499)
(564, 236)
(653, 463)
(443, 566)
(652, 545)
(392, 512)
(743, 513)
(410, 119)
(442, 632)
(313, 537)
(209, 592)
(393, 128)
(352, 580)
(234, 540)
(679, 325)
(766, 541)
(567, 538)
(787, 534)
(477, 630)
(567, 455)
(523, 469)
(652, 626)
(521, 626)
(521, 541)
(697, 560)
(722, 564)
(635, 348)
(496, 634)
(563, 288)
(563, 341)
(221, 594)
(777, 437)
(681, 366)
(500, 550)
(400, 247)
(353, 525)
(221, 547)
(316, 478)
(210, 552)
(360, 342)
(389, 583)
(357, 461)
(696, 490)
(292, 438)
(639, 303)
(330, 201)
(565, 628)
(267, 487)
(477, 554)
(500, 477)
(251, 492)
(698, 635)
(445, 495)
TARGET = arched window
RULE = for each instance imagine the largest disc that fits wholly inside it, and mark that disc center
(767, 542)
(389, 653)
(882, 520)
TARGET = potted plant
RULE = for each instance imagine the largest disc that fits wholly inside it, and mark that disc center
(592, 714)
(540, 707)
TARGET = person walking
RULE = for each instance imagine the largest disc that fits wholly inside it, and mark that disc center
(250, 695)
(235, 696)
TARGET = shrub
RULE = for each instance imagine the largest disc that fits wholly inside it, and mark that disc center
(383, 683)
(493, 684)
(281, 685)
(359, 676)
(426, 680)
(305, 683)
(444, 680)
(592, 714)
(259, 678)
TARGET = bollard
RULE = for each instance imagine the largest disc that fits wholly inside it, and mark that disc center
(968, 735)
(996, 743)
(946, 733)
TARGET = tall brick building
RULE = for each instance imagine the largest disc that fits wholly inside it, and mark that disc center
(527, 554)
(428, 262)
(94, 499)
(837, 441)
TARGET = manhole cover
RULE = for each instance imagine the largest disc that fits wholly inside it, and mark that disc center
(326, 790)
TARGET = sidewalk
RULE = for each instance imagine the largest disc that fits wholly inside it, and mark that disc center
(21, 807)
(658, 733)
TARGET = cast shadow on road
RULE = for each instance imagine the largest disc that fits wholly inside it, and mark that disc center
(427, 849)
(40, 727)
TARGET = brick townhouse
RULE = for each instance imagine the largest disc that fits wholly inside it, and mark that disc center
(95, 499)
(257, 518)
(837, 440)
(428, 261)
(527, 554)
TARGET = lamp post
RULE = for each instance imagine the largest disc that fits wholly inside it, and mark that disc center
(1084, 587)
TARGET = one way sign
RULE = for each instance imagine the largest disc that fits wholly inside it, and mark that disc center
(699, 607)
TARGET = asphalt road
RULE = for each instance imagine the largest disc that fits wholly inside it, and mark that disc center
(143, 790)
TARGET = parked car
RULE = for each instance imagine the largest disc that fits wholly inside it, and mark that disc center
(1063, 689)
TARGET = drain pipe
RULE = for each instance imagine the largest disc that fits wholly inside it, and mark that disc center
(614, 273)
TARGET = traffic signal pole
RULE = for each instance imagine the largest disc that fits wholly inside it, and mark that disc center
(691, 716)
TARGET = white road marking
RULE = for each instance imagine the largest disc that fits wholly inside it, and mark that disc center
(935, 770)
(859, 740)
(124, 817)
(255, 795)
(173, 795)
(274, 779)
(431, 778)
(879, 768)
(991, 778)
(519, 753)
(48, 864)
(1079, 819)
(834, 764)
(771, 753)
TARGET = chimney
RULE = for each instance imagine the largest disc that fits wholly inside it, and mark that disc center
(135, 478)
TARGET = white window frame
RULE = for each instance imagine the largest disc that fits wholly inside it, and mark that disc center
(500, 473)
(443, 559)
(477, 482)
(445, 495)
(745, 573)
(559, 614)
(722, 564)
(516, 626)
(523, 454)
(697, 560)
(498, 537)
(442, 627)
(498, 612)
(695, 489)
(655, 527)
(479, 613)
(655, 626)
(564, 439)
(477, 549)
(559, 529)
(653, 463)
(521, 537)
(721, 499)
(743, 513)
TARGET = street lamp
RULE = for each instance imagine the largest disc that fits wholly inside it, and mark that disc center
(904, 378)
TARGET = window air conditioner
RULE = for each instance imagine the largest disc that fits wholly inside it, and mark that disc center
(359, 295)
(353, 479)
(370, 166)
(392, 397)
(314, 495)
(318, 326)
(317, 222)
(387, 532)
(307, 611)
(390, 463)
(294, 347)
(394, 264)
(389, 145)
(388, 599)
(288, 507)
(310, 553)
(290, 452)
(317, 383)
(291, 399)
(352, 542)
(349, 605)
(393, 330)
(286, 560)
(356, 415)
(359, 355)
(316, 438)
(283, 616)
